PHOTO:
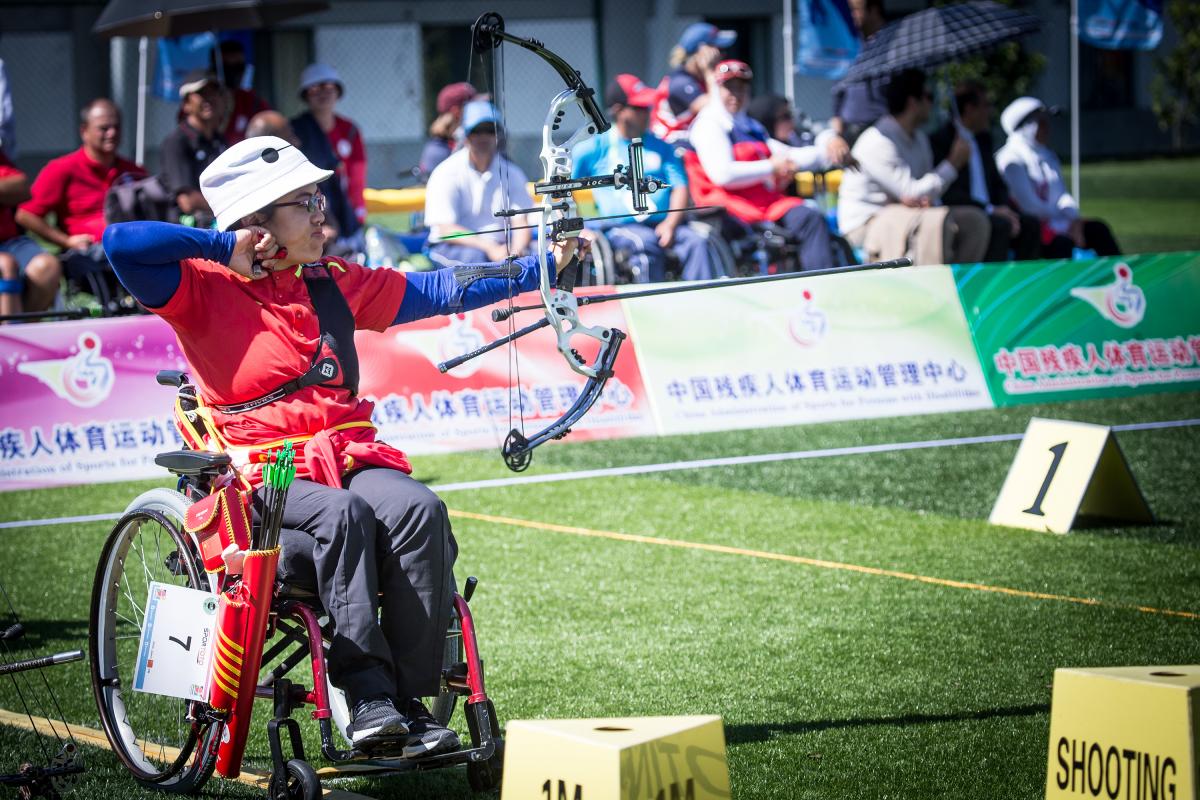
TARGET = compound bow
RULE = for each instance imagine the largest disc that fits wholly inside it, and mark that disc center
(557, 218)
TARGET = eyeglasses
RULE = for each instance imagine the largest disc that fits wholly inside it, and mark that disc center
(312, 205)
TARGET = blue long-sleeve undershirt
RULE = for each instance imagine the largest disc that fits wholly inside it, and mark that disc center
(146, 256)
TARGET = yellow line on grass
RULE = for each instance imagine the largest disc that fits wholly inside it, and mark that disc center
(812, 562)
(95, 738)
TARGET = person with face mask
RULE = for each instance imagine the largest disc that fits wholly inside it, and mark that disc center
(1035, 182)
(242, 104)
(267, 326)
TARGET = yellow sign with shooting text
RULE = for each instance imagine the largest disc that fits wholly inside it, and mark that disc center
(1124, 732)
(1064, 470)
(627, 758)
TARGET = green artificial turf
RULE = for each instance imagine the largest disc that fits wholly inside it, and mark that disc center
(832, 682)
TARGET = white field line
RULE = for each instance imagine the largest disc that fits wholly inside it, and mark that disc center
(671, 466)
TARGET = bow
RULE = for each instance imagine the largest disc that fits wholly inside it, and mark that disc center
(558, 217)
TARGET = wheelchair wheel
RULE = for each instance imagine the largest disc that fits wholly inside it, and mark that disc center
(299, 782)
(719, 252)
(442, 706)
(165, 742)
(602, 271)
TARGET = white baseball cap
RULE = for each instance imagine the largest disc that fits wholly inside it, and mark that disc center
(254, 173)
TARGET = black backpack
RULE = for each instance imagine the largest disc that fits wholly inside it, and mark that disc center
(130, 199)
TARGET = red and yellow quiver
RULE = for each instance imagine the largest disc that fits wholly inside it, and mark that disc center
(217, 521)
(242, 614)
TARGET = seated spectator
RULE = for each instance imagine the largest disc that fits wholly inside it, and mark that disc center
(858, 105)
(684, 90)
(323, 134)
(241, 104)
(72, 188)
(980, 183)
(737, 165)
(444, 130)
(1035, 183)
(891, 207)
(192, 146)
(467, 189)
(29, 275)
(644, 242)
(774, 113)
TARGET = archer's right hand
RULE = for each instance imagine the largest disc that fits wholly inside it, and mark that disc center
(253, 243)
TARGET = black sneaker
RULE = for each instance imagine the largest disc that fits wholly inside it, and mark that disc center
(427, 736)
(376, 720)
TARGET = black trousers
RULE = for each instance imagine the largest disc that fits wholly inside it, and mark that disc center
(1096, 236)
(1024, 246)
(380, 555)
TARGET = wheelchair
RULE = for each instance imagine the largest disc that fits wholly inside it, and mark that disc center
(171, 744)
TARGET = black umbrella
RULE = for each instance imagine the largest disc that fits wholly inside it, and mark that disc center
(939, 35)
(179, 17)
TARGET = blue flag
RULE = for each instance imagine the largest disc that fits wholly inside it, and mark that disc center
(1121, 24)
(177, 56)
(828, 41)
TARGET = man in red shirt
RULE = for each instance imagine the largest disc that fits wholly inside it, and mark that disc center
(28, 274)
(243, 103)
(72, 187)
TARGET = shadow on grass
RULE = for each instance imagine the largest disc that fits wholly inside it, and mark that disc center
(42, 633)
(761, 732)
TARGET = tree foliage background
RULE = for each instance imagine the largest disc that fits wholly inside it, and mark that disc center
(1175, 91)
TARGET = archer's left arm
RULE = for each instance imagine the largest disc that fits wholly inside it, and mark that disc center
(468, 286)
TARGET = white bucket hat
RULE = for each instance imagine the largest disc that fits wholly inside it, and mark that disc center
(319, 73)
(253, 174)
(1018, 111)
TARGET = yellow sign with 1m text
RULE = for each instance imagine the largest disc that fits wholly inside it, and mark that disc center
(1063, 470)
(626, 758)
(1124, 732)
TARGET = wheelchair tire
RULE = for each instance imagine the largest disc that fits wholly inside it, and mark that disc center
(602, 270)
(149, 733)
(298, 782)
(442, 706)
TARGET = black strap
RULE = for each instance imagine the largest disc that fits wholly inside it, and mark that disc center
(335, 362)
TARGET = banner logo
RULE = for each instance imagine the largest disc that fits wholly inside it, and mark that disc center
(84, 379)
(808, 325)
(1120, 302)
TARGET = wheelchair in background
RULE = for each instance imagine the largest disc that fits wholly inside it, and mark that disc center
(171, 744)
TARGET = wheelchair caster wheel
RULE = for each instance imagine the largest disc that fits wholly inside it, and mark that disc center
(486, 775)
(298, 782)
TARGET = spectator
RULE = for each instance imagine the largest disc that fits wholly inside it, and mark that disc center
(739, 166)
(1034, 177)
(72, 188)
(645, 242)
(980, 183)
(323, 132)
(192, 146)
(684, 90)
(241, 104)
(857, 105)
(467, 189)
(891, 206)
(774, 113)
(29, 275)
(444, 130)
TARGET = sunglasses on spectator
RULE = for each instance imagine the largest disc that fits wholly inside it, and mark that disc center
(312, 204)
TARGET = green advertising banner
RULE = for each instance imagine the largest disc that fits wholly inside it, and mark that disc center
(1070, 330)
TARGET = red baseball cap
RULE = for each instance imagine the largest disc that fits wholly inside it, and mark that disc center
(628, 90)
(732, 69)
(456, 94)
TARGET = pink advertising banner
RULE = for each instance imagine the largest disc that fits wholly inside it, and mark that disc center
(79, 403)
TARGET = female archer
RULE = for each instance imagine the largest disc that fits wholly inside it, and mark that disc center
(267, 326)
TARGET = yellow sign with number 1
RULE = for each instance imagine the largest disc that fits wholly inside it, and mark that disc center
(1063, 470)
